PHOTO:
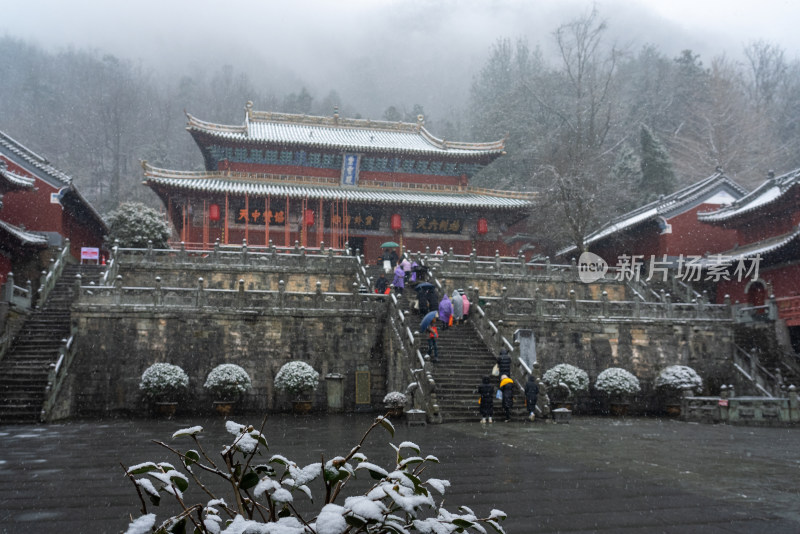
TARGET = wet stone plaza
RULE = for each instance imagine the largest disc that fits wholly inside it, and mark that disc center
(592, 475)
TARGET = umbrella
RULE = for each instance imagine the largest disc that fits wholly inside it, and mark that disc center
(427, 320)
(390, 244)
(423, 285)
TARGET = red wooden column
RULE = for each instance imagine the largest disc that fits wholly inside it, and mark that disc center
(225, 241)
(286, 235)
(247, 218)
(205, 224)
(320, 225)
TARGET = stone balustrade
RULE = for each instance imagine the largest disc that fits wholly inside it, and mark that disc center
(160, 297)
(727, 408)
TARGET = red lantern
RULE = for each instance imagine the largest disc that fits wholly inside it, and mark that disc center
(309, 218)
(396, 222)
(213, 212)
(483, 226)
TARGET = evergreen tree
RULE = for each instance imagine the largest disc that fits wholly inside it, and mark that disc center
(658, 178)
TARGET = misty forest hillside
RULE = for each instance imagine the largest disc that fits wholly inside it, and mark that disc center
(596, 130)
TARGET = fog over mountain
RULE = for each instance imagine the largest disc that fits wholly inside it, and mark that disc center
(381, 52)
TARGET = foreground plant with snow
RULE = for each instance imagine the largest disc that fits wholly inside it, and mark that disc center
(263, 491)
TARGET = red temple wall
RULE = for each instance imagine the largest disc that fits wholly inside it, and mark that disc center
(692, 237)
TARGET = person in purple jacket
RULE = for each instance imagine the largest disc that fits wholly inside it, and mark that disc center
(445, 311)
(399, 280)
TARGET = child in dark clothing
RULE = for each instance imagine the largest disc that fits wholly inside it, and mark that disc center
(486, 391)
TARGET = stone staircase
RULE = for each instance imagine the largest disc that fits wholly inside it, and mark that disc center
(25, 368)
(463, 361)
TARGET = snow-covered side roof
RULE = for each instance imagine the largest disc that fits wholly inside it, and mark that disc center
(763, 248)
(321, 188)
(13, 180)
(31, 161)
(768, 192)
(337, 133)
(24, 237)
(715, 188)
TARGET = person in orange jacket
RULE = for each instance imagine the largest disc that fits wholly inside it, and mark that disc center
(433, 335)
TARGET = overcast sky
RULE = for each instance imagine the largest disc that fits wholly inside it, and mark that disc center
(406, 51)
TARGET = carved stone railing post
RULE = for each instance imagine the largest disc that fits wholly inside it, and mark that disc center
(728, 309)
(794, 406)
(521, 260)
(297, 247)
(354, 294)
(240, 293)
(302, 256)
(318, 296)
(503, 300)
(572, 310)
(118, 290)
(76, 291)
(272, 248)
(158, 293)
(498, 265)
(604, 304)
(215, 251)
(281, 294)
(182, 257)
(547, 266)
(244, 257)
(322, 248)
(199, 300)
(573, 268)
(537, 302)
(8, 289)
(637, 309)
(668, 304)
(148, 255)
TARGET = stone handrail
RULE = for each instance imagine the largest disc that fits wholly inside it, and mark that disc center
(159, 297)
(748, 365)
(616, 310)
(225, 255)
(419, 367)
(57, 373)
(20, 297)
(51, 276)
(727, 408)
(112, 267)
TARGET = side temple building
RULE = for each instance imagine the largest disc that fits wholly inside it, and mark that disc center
(291, 178)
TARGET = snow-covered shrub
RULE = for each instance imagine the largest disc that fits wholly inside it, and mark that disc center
(263, 489)
(616, 381)
(134, 224)
(296, 377)
(227, 381)
(394, 399)
(163, 381)
(678, 377)
(565, 376)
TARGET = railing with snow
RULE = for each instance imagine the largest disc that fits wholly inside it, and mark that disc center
(505, 306)
(20, 297)
(51, 276)
(420, 368)
(728, 408)
(297, 257)
(57, 373)
(159, 297)
(747, 365)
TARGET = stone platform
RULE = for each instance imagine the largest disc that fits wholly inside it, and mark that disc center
(592, 475)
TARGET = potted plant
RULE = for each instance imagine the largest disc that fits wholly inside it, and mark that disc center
(163, 384)
(394, 402)
(227, 383)
(563, 381)
(619, 385)
(298, 379)
(672, 381)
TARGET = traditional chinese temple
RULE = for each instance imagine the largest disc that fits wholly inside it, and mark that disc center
(669, 226)
(766, 225)
(291, 178)
(40, 208)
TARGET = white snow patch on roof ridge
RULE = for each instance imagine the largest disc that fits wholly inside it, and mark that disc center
(33, 158)
(759, 247)
(25, 237)
(765, 197)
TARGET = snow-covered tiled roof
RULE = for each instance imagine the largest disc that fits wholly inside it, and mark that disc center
(14, 180)
(29, 157)
(770, 191)
(716, 188)
(321, 188)
(24, 236)
(764, 247)
(358, 135)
